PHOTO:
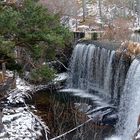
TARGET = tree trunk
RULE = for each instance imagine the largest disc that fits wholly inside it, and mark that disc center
(84, 9)
(1, 123)
(3, 70)
(100, 12)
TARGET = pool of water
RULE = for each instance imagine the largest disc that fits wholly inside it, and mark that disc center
(63, 111)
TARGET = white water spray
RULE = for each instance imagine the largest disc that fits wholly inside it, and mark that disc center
(130, 103)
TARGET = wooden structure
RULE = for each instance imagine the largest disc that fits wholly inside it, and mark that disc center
(93, 35)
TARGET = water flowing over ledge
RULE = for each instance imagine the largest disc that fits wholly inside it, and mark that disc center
(95, 68)
(130, 103)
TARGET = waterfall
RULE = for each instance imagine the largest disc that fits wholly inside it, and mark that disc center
(130, 103)
(95, 68)
(110, 75)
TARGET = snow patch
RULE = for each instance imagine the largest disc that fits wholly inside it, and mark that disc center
(19, 123)
(61, 77)
(113, 138)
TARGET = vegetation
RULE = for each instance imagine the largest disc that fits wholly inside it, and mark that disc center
(42, 74)
(30, 36)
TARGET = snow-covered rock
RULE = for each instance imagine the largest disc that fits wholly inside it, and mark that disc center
(19, 122)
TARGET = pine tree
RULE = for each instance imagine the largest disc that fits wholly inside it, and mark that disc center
(33, 32)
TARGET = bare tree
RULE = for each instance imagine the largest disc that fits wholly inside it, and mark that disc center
(100, 11)
(63, 7)
(84, 9)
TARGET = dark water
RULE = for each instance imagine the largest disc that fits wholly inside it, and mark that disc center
(60, 114)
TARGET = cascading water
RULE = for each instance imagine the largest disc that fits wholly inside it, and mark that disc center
(97, 69)
(130, 103)
(109, 75)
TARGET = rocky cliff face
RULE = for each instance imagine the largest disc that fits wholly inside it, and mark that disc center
(130, 49)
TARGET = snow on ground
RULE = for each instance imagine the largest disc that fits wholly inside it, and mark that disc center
(109, 13)
(61, 77)
(19, 123)
(114, 138)
(22, 88)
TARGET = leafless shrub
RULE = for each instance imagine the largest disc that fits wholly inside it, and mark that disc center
(118, 31)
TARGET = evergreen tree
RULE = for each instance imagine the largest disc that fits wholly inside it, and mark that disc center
(35, 34)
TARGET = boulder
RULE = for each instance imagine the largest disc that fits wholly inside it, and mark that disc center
(105, 115)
